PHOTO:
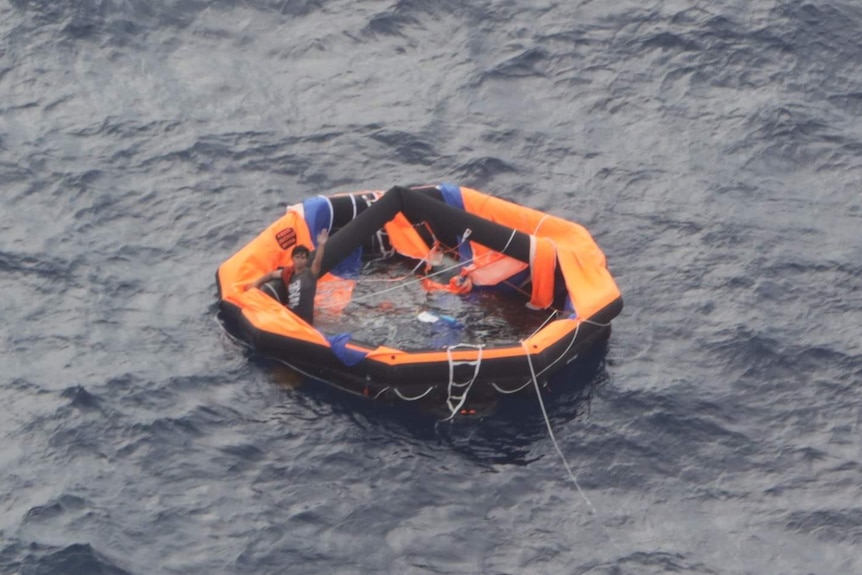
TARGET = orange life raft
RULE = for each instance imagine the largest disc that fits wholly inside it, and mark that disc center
(556, 264)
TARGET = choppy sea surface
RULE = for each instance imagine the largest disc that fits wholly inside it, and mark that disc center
(713, 148)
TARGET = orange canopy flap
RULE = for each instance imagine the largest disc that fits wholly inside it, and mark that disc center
(405, 239)
(492, 267)
(582, 263)
(542, 273)
(591, 287)
(500, 211)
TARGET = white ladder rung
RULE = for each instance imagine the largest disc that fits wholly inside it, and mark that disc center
(457, 392)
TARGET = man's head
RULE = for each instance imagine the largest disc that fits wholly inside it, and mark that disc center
(300, 258)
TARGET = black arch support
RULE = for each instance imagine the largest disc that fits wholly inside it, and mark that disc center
(418, 205)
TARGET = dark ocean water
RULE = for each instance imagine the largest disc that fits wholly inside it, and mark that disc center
(713, 148)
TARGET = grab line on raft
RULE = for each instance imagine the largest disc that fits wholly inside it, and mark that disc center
(574, 338)
(418, 397)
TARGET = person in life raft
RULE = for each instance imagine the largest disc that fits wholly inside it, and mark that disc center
(298, 282)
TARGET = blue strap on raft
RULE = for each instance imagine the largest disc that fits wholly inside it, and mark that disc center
(348, 357)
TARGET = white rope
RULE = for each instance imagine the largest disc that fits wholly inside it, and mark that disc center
(544, 323)
(426, 259)
(508, 392)
(572, 342)
(405, 398)
(551, 431)
(511, 237)
(419, 280)
(539, 225)
(553, 363)
(396, 287)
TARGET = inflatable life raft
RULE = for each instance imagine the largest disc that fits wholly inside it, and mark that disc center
(554, 266)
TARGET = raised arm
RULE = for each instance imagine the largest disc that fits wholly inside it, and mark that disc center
(318, 253)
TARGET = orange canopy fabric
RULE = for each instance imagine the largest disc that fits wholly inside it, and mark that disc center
(582, 263)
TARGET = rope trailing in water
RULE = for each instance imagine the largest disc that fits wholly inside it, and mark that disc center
(551, 431)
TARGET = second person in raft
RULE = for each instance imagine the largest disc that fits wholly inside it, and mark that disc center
(300, 279)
